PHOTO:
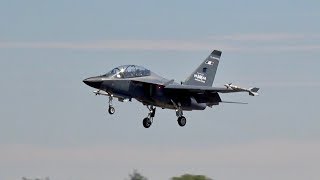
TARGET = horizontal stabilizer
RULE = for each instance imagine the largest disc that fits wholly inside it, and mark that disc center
(253, 91)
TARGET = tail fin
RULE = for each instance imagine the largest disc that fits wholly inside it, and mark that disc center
(205, 73)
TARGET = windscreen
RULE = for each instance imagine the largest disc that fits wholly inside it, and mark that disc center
(128, 71)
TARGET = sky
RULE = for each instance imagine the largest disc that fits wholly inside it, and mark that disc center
(52, 125)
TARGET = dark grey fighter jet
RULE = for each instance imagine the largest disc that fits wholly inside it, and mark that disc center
(196, 93)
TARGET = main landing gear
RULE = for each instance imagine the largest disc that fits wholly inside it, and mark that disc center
(147, 121)
(111, 109)
(182, 121)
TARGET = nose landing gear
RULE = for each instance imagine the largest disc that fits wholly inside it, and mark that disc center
(149, 119)
(111, 109)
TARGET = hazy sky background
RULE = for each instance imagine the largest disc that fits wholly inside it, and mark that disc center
(52, 125)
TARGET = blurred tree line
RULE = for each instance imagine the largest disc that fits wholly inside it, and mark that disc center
(137, 176)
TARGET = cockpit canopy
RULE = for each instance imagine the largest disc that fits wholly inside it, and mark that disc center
(128, 71)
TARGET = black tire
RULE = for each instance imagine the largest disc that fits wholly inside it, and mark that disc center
(182, 121)
(111, 110)
(146, 122)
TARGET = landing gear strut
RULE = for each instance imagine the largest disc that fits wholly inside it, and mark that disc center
(111, 109)
(147, 121)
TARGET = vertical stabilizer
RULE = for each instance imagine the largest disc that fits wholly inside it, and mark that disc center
(205, 73)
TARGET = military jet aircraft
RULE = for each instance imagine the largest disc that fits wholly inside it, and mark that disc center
(129, 82)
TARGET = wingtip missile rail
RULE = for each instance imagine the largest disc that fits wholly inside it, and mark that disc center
(252, 91)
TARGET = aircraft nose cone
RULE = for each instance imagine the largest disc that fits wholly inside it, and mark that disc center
(94, 82)
(86, 81)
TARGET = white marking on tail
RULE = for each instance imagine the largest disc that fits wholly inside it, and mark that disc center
(200, 77)
(210, 62)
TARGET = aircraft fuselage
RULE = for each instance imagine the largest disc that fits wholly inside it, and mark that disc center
(148, 94)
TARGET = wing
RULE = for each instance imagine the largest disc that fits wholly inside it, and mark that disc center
(205, 89)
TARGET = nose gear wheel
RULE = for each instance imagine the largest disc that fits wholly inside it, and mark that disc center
(147, 121)
(111, 109)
